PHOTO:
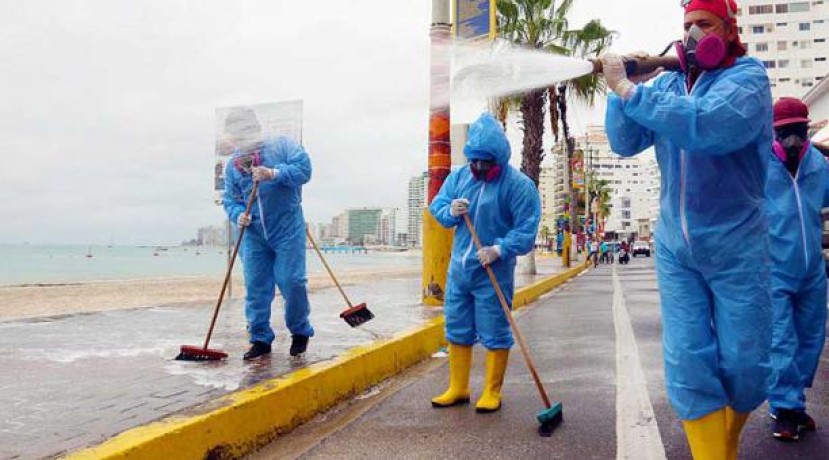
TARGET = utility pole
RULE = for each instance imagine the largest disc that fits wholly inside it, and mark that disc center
(437, 241)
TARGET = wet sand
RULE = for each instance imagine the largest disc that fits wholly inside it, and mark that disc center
(33, 300)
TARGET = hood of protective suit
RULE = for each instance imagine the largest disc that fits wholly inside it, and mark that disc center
(486, 141)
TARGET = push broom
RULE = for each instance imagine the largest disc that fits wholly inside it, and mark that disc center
(552, 414)
(194, 352)
(353, 315)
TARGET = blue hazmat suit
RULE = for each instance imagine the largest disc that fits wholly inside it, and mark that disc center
(506, 212)
(798, 276)
(712, 255)
(273, 248)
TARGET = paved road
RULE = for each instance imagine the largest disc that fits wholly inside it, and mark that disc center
(597, 345)
(76, 380)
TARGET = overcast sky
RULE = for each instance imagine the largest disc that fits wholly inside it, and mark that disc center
(107, 107)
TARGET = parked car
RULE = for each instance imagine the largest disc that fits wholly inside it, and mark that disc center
(641, 248)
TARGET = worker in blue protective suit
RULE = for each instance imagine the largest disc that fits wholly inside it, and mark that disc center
(797, 189)
(505, 208)
(711, 126)
(273, 249)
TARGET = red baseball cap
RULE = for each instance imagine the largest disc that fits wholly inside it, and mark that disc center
(790, 110)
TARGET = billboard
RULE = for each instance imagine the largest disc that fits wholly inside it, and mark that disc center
(474, 19)
(276, 119)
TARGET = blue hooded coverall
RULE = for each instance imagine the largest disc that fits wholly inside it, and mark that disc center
(273, 249)
(798, 276)
(506, 212)
(712, 144)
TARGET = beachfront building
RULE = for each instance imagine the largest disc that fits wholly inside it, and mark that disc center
(551, 189)
(415, 208)
(628, 181)
(791, 40)
(214, 235)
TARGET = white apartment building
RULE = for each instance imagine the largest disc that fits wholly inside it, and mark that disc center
(551, 189)
(790, 37)
(416, 204)
(629, 179)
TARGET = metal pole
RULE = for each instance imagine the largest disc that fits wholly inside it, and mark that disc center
(437, 241)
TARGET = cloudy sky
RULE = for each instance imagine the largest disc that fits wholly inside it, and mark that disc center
(107, 113)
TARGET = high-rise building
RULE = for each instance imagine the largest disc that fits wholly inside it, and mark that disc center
(627, 180)
(416, 205)
(791, 40)
(551, 189)
(339, 226)
(363, 225)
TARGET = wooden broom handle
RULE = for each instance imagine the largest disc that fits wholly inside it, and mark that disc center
(248, 206)
(330, 272)
(508, 313)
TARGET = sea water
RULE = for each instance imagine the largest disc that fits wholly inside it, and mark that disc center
(31, 264)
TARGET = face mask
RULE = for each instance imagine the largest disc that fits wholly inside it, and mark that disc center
(245, 162)
(484, 170)
(700, 51)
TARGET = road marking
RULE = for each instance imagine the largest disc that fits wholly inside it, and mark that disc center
(637, 435)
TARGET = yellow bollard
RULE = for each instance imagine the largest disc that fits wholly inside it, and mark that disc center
(437, 249)
(565, 252)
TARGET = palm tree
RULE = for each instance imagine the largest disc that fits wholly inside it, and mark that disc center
(598, 191)
(542, 24)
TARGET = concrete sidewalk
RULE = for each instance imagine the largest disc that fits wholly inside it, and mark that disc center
(597, 346)
(77, 380)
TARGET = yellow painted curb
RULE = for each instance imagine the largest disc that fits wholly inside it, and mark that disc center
(236, 424)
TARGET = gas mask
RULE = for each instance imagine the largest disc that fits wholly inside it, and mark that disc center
(245, 162)
(790, 144)
(701, 51)
(485, 170)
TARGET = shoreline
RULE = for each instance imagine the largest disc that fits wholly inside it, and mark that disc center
(33, 300)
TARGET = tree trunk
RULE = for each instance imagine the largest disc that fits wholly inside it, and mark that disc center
(532, 114)
(570, 147)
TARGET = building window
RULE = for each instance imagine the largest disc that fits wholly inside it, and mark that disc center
(782, 8)
(785, 80)
(820, 59)
(783, 63)
(820, 40)
(805, 64)
(761, 47)
(758, 29)
(819, 21)
(805, 45)
(761, 9)
(770, 64)
(782, 24)
(799, 7)
(805, 26)
(781, 46)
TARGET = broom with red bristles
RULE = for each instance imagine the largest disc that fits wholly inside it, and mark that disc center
(194, 352)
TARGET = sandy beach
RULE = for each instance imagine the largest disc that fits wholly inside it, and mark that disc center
(34, 300)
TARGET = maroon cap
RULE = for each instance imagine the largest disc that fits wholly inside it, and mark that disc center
(790, 110)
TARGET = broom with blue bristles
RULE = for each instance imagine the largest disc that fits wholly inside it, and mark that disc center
(552, 414)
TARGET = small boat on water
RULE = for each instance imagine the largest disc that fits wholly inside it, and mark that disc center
(89, 252)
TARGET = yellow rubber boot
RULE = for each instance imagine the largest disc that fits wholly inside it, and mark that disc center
(460, 361)
(734, 423)
(708, 436)
(496, 367)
